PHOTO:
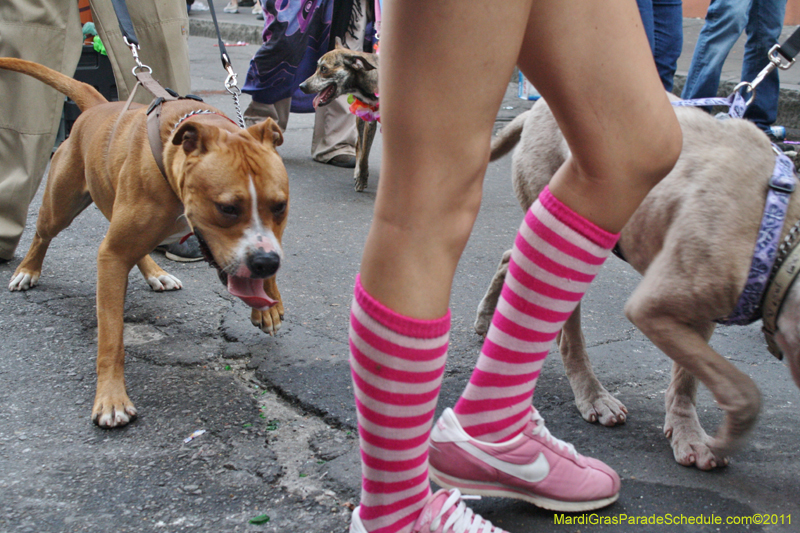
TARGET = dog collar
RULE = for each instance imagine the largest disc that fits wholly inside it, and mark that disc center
(196, 112)
(781, 185)
(786, 269)
(363, 110)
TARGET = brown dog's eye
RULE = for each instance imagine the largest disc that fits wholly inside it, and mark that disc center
(278, 209)
(228, 210)
(323, 69)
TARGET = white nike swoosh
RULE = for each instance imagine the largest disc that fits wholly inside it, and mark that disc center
(531, 472)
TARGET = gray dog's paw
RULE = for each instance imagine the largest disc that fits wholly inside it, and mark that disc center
(691, 445)
(601, 406)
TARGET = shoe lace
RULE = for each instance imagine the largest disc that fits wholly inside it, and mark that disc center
(542, 430)
(462, 519)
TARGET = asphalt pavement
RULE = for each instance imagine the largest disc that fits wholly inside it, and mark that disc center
(280, 442)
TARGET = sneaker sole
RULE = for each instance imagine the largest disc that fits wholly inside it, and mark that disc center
(502, 491)
(180, 259)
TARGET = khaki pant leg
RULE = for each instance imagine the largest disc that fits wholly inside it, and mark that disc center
(162, 28)
(49, 33)
(279, 112)
(335, 130)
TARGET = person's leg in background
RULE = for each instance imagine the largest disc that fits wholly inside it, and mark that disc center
(646, 11)
(335, 134)
(725, 22)
(162, 28)
(764, 26)
(279, 112)
(435, 155)
(668, 32)
(48, 33)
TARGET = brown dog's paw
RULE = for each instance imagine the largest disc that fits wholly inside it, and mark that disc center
(23, 279)
(111, 411)
(360, 180)
(164, 282)
(268, 321)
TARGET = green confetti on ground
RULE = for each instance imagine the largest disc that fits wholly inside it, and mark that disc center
(247, 425)
(227, 367)
(260, 519)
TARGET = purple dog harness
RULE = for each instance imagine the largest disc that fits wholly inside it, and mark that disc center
(781, 185)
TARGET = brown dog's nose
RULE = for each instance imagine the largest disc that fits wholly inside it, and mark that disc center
(263, 264)
(304, 87)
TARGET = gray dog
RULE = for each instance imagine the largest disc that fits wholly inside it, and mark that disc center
(692, 239)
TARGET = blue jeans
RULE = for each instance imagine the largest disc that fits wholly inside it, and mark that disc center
(725, 22)
(663, 23)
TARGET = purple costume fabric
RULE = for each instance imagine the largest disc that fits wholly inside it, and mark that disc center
(296, 34)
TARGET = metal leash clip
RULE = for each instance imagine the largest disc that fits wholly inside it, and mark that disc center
(775, 61)
(232, 88)
(134, 50)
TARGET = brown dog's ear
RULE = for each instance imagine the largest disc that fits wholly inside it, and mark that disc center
(267, 131)
(339, 44)
(359, 63)
(193, 137)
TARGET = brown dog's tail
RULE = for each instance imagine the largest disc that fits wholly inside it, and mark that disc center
(81, 93)
(508, 137)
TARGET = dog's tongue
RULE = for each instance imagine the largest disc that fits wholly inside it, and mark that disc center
(326, 91)
(251, 292)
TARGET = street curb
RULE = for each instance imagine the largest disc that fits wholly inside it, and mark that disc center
(229, 31)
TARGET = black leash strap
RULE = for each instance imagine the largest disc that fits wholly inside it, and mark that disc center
(791, 47)
(226, 61)
(125, 23)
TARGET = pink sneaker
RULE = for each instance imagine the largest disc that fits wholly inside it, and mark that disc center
(534, 466)
(444, 513)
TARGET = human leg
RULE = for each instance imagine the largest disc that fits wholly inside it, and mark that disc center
(725, 22)
(47, 33)
(764, 25)
(163, 32)
(668, 22)
(435, 155)
(279, 112)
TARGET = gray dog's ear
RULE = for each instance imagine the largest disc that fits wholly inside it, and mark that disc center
(359, 63)
(267, 131)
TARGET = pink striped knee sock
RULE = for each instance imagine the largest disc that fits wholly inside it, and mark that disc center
(556, 256)
(397, 365)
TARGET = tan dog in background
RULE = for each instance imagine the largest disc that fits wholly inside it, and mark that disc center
(343, 71)
(229, 183)
(692, 239)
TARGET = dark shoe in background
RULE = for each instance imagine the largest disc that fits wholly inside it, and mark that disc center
(342, 160)
(185, 252)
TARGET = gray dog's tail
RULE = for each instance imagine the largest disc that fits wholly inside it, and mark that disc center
(508, 137)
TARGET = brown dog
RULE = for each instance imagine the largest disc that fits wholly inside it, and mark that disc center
(229, 183)
(343, 71)
(692, 239)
